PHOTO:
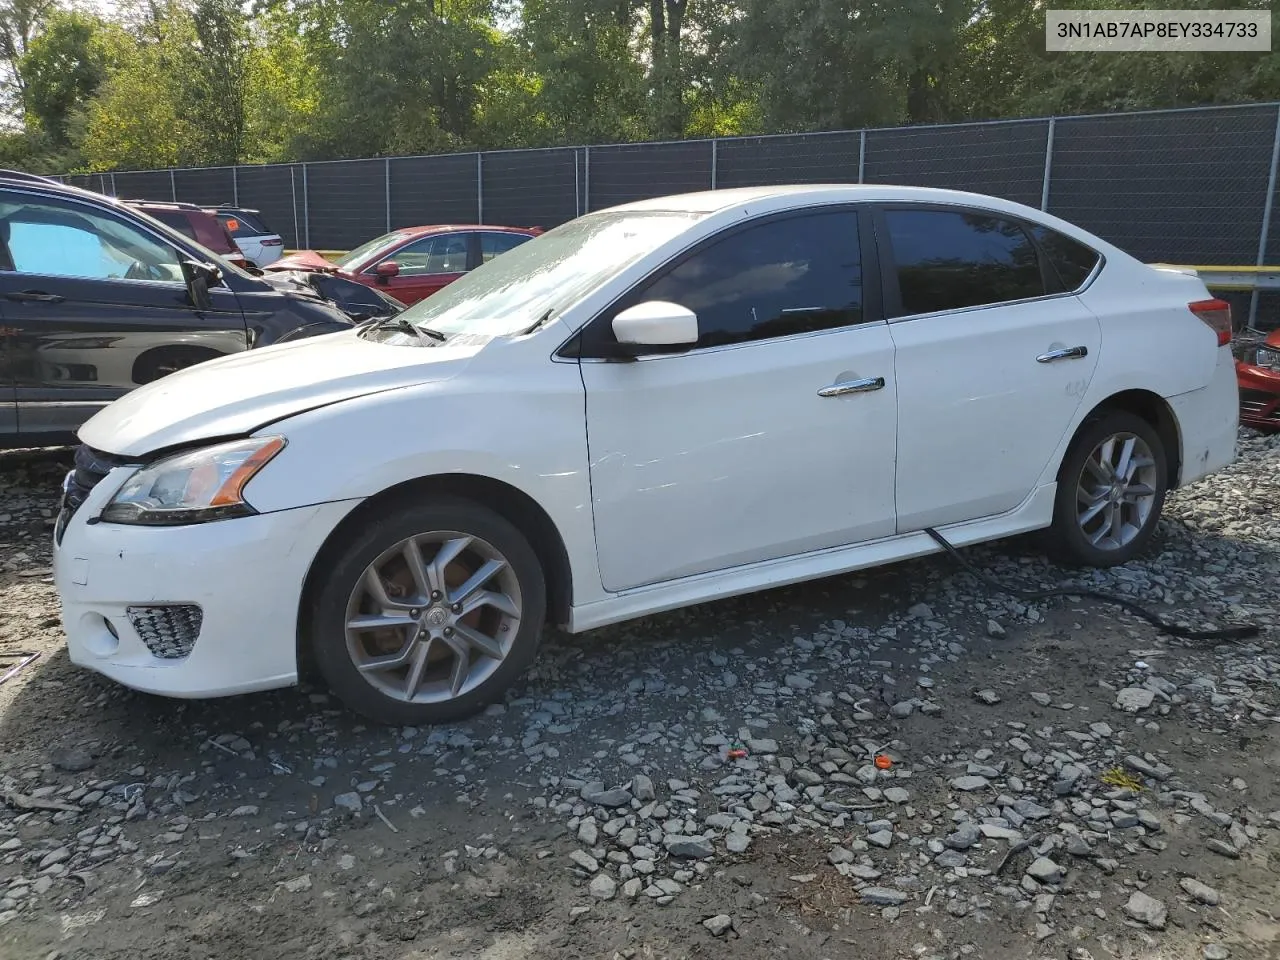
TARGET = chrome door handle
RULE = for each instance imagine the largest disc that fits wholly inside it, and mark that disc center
(852, 386)
(1066, 353)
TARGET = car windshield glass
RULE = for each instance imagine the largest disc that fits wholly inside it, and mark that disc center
(362, 251)
(512, 292)
(218, 259)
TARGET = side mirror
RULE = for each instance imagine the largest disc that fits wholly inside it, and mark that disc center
(386, 270)
(200, 277)
(655, 326)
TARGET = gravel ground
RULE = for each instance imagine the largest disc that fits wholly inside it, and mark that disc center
(893, 764)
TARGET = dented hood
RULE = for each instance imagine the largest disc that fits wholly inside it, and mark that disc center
(233, 396)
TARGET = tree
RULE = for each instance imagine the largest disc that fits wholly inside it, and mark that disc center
(20, 21)
(63, 68)
(212, 80)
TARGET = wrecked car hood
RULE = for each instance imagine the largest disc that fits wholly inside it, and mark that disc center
(234, 395)
(357, 301)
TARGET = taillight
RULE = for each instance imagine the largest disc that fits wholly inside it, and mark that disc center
(1217, 314)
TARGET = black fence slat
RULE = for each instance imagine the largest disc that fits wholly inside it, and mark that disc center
(1185, 187)
(433, 190)
(347, 202)
(144, 185)
(531, 188)
(803, 158)
(630, 172)
(211, 187)
(276, 192)
(1000, 159)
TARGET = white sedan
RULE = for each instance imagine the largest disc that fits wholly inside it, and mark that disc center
(648, 407)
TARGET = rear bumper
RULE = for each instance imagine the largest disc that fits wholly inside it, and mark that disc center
(1209, 421)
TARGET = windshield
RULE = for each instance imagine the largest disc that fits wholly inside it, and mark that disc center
(512, 292)
(366, 248)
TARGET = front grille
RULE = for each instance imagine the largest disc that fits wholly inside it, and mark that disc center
(90, 467)
(169, 631)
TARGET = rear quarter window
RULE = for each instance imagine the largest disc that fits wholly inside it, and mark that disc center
(244, 225)
(1071, 260)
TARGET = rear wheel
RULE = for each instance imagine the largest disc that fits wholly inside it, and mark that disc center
(1111, 490)
(429, 613)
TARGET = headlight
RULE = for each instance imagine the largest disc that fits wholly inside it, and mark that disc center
(193, 487)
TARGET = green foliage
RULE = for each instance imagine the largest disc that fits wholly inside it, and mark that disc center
(202, 82)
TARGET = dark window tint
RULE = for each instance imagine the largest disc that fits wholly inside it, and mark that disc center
(244, 225)
(949, 259)
(1070, 260)
(492, 244)
(176, 219)
(788, 276)
(439, 253)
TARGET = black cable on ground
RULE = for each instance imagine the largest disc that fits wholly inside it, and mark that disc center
(1241, 631)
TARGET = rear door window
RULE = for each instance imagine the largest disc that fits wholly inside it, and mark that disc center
(951, 259)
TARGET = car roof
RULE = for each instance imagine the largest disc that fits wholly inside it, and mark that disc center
(451, 227)
(711, 201)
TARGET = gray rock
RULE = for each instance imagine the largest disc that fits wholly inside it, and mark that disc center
(840, 855)
(642, 788)
(883, 896)
(921, 611)
(1045, 870)
(631, 889)
(248, 810)
(965, 836)
(896, 795)
(1200, 892)
(970, 783)
(298, 884)
(1147, 910)
(1042, 698)
(719, 925)
(617, 797)
(1149, 820)
(1133, 699)
(603, 887)
(60, 855)
(349, 801)
(1224, 849)
(1215, 951)
(989, 697)
(584, 860)
(737, 842)
(1030, 810)
(903, 709)
(72, 759)
(950, 859)
(881, 838)
(688, 848)
(762, 746)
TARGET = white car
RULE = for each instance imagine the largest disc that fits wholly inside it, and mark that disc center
(648, 407)
(258, 244)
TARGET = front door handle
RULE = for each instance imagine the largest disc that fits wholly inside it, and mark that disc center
(1066, 353)
(34, 296)
(852, 386)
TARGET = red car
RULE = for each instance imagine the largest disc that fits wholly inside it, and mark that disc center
(1258, 373)
(412, 263)
(196, 223)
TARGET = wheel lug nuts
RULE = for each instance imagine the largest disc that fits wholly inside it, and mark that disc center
(436, 594)
(456, 608)
(448, 631)
(415, 613)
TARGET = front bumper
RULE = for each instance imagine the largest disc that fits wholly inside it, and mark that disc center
(1259, 396)
(245, 575)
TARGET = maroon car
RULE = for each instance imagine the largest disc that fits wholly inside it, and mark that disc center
(196, 223)
(412, 263)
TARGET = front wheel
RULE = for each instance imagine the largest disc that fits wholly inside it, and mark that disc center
(1111, 489)
(429, 613)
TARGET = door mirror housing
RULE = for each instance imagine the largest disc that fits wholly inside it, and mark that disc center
(200, 277)
(386, 270)
(655, 326)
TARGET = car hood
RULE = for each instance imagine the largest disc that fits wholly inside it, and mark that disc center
(302, 260)
(357, 301)
(233, 396)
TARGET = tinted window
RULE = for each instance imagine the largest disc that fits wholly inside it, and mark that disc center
(244, 225)
(445, 253)
(1071, 261)
(788, 276)
(68, 240)
(176, 219)
(948, 259)
(492, 244)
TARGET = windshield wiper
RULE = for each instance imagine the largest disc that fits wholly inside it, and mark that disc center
(537, 323)
(404, 326)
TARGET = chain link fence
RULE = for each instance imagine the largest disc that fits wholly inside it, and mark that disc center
(1192, 186)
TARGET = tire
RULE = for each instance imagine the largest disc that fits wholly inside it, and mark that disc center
(1093, 543)
(425, 635)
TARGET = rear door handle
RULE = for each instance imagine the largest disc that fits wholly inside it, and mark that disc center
(1066, 353)
(852, 386)
(34, 296)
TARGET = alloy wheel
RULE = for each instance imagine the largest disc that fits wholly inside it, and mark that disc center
(1116, 491)
(433, 617)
